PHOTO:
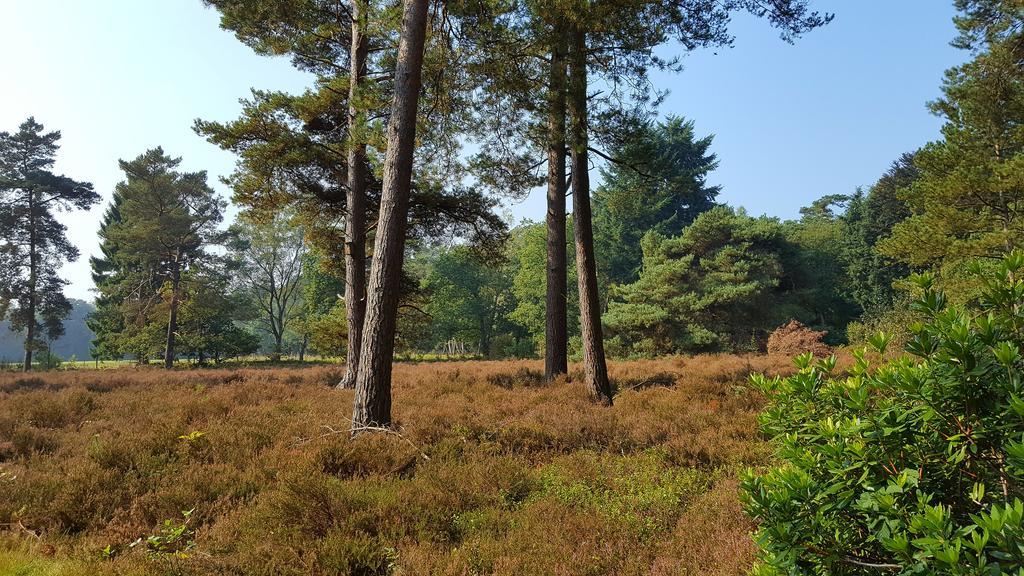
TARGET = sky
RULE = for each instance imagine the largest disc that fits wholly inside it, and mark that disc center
(792, 123)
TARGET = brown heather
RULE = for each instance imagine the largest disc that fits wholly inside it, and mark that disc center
(794, 338)
(494, 472)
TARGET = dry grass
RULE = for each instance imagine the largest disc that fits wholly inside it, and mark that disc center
(495, 472)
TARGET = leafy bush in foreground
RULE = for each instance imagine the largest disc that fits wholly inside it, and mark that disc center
(912, 467)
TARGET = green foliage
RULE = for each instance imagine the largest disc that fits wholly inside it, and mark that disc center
(658, 183)
(33, 243)
(173, 537)
(709, 288)
(328, 331)
(913, 466)
(469, 299)
(322, 312)
(210, 322)
(967, 200)
(528, 254)
(871, 219)
(817, 281)
(46, 359)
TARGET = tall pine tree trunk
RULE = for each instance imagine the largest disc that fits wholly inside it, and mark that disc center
(33, 274)
(372, 406)
(594, 366)
(172, 316)
(355, 223)
(556, 331)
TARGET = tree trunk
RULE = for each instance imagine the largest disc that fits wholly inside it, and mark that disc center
(594, 367)
(278, 334)
(556, 332)
(302, 347)
(172, 317)
(372, 406)
(355, 223)
(30, 325)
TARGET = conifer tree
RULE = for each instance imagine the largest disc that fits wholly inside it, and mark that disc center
(107, 320)
(372, 405)
(519, 56)
(168, 221)
(33, 243)
(321, 152)
(967, 200)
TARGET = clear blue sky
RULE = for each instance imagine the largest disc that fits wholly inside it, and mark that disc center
(791, 122)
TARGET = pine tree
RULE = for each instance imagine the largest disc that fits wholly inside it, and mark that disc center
(658, 182)
(519, 65)
(321, 152)
(107, 320)
(966, 202)
(168, 220)
(33, 244)
(372, 405)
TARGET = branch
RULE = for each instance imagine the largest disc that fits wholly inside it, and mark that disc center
(355, 430)
(623, 163)
(400, 306)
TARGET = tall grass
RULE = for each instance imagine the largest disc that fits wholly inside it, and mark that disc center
(493, 471)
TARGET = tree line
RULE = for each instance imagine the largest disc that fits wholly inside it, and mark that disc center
(513, 77)
(369, 223)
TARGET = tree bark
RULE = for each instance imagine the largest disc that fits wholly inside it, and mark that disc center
(33, 267)
(172, 316)
(372, 406)
(355, 223)
(556, 330)
(594, 367)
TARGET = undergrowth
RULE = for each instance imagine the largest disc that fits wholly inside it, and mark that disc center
(250, 471)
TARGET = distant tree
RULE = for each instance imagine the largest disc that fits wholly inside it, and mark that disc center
(657, 183)
(33, 244)
(527, 251)
(870, 219)
(271, 253)
(210, 320)
(168, 222)
(107, 320)
(469, 299)
(711, 288)
(816, 285)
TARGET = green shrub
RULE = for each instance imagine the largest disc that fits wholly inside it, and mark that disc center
(892, 321)
(911, 467)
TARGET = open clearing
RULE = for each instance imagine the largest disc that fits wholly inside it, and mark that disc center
(493, 473)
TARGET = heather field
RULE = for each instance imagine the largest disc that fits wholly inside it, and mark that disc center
(251, 471)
